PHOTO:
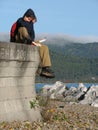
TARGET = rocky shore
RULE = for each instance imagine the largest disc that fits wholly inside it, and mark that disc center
(80, 94)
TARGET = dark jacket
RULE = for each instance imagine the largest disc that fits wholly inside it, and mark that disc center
(29, 26)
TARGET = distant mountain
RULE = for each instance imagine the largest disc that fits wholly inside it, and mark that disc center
(73, 46)
(88, 50)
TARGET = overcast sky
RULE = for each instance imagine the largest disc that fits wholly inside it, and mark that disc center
(70, 17)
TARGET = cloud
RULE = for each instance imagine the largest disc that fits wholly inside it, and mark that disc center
(69, 38)
(4, 37)
(66, 38)
(87, 39)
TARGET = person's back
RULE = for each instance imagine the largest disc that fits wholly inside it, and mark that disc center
(12, 32)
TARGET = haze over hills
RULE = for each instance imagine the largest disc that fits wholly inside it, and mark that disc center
(67, 45)
(4, 37)
(62, 38)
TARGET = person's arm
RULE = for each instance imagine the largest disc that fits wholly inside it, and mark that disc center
(32, 32)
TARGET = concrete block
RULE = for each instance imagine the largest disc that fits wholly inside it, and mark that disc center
(18, 66)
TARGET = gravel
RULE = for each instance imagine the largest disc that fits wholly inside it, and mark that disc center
(58, 115)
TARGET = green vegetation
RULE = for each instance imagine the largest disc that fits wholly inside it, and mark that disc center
(34, 104)
(74, 62)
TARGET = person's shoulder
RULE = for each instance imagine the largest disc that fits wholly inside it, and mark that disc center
(20, 19)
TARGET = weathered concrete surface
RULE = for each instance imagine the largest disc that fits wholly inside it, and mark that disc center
(18, 65)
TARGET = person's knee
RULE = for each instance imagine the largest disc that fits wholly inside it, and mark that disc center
(23, 32)
(45, 47)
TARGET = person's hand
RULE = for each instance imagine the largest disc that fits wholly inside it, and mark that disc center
(36, 43)
(34, 20)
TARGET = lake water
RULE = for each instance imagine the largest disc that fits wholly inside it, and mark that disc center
(39, 86)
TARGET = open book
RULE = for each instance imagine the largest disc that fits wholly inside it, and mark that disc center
(37, 43)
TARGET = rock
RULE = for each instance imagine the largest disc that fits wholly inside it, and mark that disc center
(81, 94)
(91, 95)
(54, 91)
(95, 103)
(82, 87)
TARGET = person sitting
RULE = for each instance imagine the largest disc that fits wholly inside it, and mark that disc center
(24, 33)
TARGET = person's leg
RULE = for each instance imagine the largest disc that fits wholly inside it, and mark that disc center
(45, 62)
(44, 55)
(22, 36)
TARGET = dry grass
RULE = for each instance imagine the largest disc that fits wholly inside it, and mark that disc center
(58, 115)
